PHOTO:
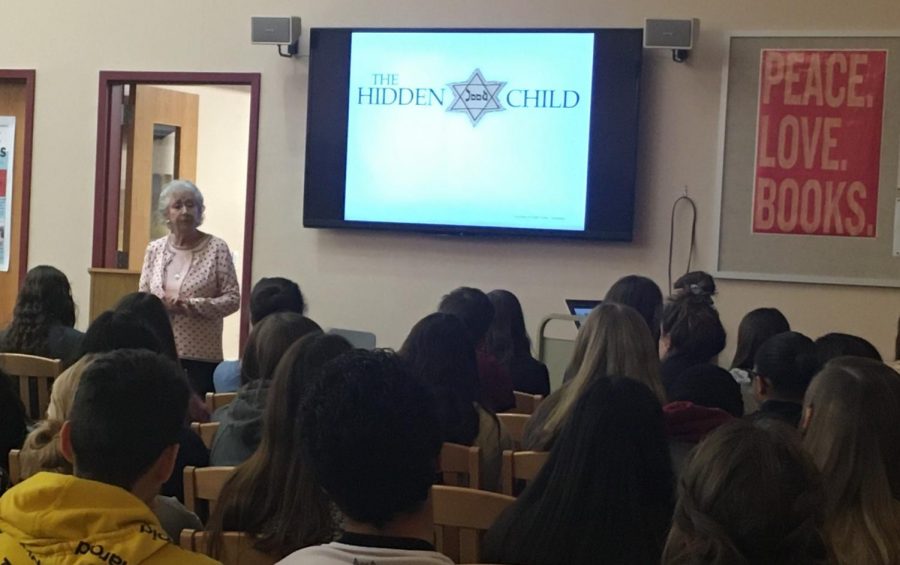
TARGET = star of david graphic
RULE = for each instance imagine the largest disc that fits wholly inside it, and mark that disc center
(476, 97)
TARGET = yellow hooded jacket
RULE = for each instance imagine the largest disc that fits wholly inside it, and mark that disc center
(53, 519)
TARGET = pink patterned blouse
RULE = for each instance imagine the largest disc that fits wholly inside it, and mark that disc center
(210, 288)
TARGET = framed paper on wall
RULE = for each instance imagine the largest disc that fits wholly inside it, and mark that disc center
(7, 148)
(811, 146)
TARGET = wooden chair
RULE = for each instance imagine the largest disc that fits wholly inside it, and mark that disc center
(515, 426)
(202, 486)
(520, 466)
(206, 431)
(461, 516)
(15, 467)
(526, 403)
(237, 548)
(214, 401)
(461, 465)
(31, 368)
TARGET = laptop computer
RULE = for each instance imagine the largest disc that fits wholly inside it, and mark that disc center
(581, 308)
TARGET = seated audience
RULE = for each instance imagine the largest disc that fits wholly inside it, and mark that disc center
(438, 351)
(297, 514)
(508, 341)
(373, 439)
(43, 321)
(613, 340)
(151, 310)
(121, 456)
(692, 333)
(785, 365)
(755, 328)
(643, 295)
(701, 399)
(13, 424)
(269, 295)
(241, 421)
(605, 494)
(833, 345)
(748, 495)
(111, 331)
(474, 308)
(851, 428)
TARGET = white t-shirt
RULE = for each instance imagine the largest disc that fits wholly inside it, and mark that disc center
(340, 553)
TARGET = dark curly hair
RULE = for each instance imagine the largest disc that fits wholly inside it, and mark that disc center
(44, 300)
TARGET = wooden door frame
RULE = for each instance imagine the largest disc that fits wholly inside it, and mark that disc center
(106, 193)
(27, 76)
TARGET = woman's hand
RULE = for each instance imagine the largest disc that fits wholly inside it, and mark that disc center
(176, 305)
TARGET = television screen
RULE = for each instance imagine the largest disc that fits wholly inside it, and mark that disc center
(529, 132)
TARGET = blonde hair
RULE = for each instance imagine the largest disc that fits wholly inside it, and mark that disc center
(40, 451)
(613, 341)
(853, 435)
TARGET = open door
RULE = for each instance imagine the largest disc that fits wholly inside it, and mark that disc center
(161, 145)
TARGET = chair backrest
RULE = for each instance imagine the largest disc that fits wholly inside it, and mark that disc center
(28, 369)
(236, 549)
(526, 403)
(520, 467)
(15, 467)
(461, 516)
(206, 431)
(461, 465)
(204, 484)
(515, 426)
(216, 400)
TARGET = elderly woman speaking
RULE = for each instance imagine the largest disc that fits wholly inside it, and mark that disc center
(193, 273)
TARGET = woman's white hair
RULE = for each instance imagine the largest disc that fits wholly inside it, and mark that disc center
(177, 187)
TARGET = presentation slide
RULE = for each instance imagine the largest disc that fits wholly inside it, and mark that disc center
(469, 129)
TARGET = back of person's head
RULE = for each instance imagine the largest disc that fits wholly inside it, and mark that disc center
(787, 362)
(507, 337)
(298, 513)
(473, 307)
(275, 294)
(748, 495)
(119, 330)
(643, 295)
(833, 345)
(606, 492)
(613, 340)
(897, 342)
(44, 299)
(698, 283)
(691, 327)
(852, 431)
(152, 312)
(439, 352)
(755, 328)
(706, 385)
(269, 340)
(372, 437)
(129, 409)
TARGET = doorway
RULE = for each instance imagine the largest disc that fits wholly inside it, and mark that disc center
(17, 114)
(156, 127)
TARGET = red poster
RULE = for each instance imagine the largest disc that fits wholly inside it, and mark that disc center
(818, 142)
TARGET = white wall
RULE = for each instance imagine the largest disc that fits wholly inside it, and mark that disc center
(384, 282)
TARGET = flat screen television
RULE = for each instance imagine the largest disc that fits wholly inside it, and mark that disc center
(473, 131)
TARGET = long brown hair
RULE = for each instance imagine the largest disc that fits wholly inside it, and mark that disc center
(614, 340)
(274, 495)
(748, 495)
(853, 435)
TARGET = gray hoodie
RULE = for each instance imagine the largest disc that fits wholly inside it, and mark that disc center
(240, 425)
